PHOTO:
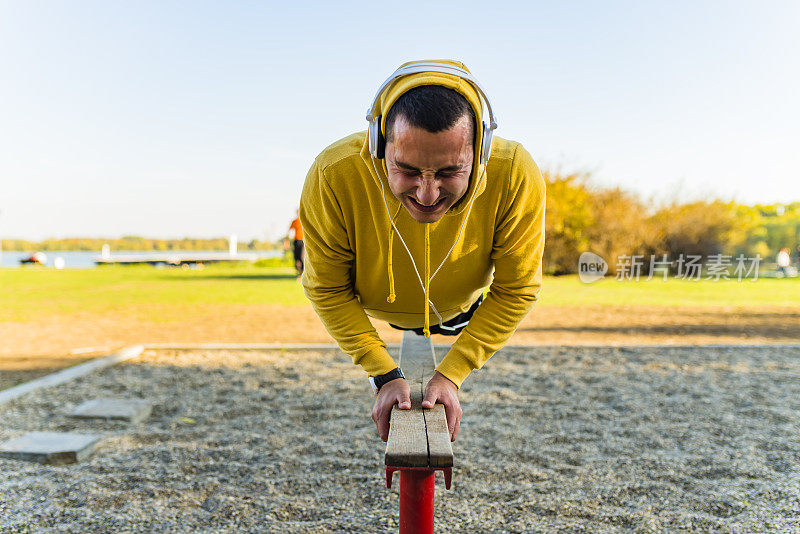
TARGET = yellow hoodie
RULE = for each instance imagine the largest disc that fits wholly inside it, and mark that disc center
(347, 239)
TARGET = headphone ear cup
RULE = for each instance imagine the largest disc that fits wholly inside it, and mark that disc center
(486, 144)
(377, 142)
(373, 138)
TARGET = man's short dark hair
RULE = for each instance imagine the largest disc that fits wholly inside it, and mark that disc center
(431, 107)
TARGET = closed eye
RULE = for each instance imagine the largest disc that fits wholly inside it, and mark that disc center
(410, 170)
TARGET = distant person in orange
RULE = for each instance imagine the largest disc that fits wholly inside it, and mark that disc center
(296, 234)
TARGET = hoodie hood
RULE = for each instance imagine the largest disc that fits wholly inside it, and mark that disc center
(403, 85)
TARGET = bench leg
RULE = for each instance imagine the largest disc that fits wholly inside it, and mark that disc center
(416, 501)
(416, 496)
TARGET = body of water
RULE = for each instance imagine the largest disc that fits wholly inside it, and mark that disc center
(85, 260)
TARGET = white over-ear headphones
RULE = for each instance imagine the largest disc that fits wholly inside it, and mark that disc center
(377, 142)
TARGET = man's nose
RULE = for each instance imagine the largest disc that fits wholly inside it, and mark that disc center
(428, 190)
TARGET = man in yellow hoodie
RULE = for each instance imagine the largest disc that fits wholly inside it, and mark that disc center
(415, 218)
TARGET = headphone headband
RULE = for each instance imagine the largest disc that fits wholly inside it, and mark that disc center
(429, 66)
(375, 135)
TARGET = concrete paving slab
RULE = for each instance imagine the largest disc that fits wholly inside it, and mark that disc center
(130, 410)
(50, 447)
(70, 373)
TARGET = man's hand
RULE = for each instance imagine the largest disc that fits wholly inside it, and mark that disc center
(441, 390)
(393, 392)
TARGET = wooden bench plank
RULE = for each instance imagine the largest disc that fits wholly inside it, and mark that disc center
(416, 361)
(417, 437)
(440, 449)
(407, 445)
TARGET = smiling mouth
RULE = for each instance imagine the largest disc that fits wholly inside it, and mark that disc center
(427, 209)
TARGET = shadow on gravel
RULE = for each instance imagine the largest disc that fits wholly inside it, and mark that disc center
(9, 379)
(778, 326)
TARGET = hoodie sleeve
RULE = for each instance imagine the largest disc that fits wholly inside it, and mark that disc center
(517, 256)
(327, 277)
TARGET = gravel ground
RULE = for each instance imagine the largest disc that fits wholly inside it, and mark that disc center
(553, 440)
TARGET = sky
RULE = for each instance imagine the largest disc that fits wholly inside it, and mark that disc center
(189, 118)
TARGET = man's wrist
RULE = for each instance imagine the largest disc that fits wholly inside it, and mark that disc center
(376, 361)
(447, 371)
(441, 375)
(378, 381)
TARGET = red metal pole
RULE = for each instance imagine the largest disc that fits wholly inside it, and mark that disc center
(416, 501)
(416, 496)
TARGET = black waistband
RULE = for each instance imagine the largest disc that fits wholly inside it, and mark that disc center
(451, 327)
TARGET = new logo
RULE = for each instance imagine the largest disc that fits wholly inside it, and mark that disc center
(591, 267)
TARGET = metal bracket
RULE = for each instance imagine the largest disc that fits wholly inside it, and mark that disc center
(447, 471)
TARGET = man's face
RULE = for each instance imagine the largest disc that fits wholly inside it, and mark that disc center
(429, 172)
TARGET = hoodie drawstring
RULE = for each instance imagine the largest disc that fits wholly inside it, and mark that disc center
(391, 298)
(427, 329)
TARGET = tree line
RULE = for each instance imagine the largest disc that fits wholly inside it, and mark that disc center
(612, 222)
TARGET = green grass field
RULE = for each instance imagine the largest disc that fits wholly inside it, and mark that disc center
(28, 294)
